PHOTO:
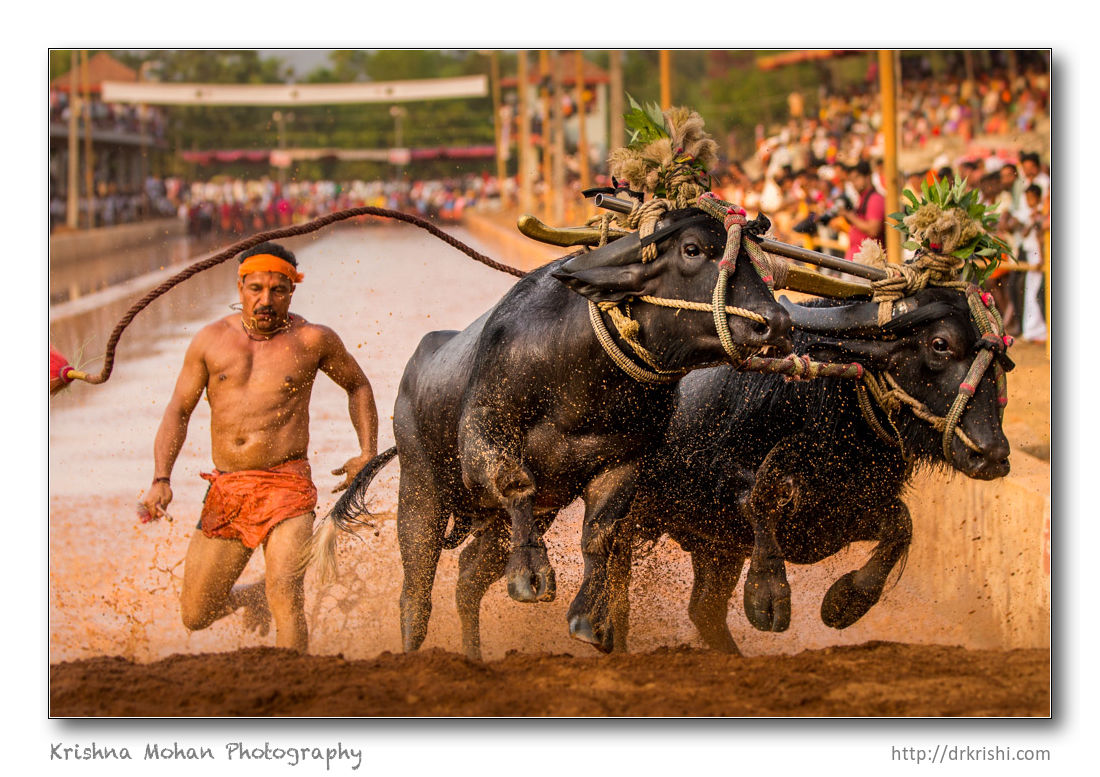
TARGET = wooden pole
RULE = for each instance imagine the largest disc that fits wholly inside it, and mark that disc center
(72, 200)
(89, 188)
(666, 59)
(494, 76)
(524, 117)
(618, 127)
(888, 86)
(557, 180)
(544, 97)
(582, 123)
(666, 79)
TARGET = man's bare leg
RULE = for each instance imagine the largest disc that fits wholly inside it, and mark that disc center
(211, 568)
(283, 554)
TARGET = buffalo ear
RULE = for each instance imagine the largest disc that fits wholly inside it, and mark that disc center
(872, 354)
(606, 284)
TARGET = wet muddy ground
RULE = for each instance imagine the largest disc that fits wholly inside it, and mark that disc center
(114, 583)
(874, 679)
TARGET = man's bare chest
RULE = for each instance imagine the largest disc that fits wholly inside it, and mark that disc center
(262, 369)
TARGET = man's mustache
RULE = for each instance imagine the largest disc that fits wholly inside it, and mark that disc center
(263, 311)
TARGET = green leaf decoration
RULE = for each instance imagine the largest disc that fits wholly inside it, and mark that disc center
(645, 124)
(980, 254)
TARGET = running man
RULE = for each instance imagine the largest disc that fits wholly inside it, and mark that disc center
(257, 369)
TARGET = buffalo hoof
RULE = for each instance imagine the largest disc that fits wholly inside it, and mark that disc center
(719, 639)
(582, 628)
(845, 603)
(768, 601)
(530, 576)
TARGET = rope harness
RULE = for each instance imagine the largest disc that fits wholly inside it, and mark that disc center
(934, 269)
(644, 217)
(928, 268)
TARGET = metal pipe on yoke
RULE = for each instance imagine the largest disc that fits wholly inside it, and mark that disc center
(775, 247)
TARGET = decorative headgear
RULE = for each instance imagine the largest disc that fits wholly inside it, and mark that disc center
(269, 263)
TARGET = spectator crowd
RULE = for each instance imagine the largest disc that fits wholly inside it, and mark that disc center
(116, 117)
(236, 206)
(820, 177)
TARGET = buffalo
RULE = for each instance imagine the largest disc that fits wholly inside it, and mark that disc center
(755, 466)
(503, 424)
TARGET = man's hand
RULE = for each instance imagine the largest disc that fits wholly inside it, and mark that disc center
(351, 469)
(156, 502)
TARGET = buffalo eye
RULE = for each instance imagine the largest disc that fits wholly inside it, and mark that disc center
(692, 250)
(940, 345)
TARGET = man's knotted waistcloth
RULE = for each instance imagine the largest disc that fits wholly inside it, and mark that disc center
(248, 504)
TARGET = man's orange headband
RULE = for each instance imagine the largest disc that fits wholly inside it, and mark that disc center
(269, 263)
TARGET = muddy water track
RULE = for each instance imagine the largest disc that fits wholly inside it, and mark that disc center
(114, 584)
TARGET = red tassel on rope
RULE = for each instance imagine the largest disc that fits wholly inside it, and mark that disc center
(59, 371)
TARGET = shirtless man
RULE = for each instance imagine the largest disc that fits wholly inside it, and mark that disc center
(257, 369)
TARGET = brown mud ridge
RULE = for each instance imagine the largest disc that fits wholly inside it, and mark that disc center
(880, 679)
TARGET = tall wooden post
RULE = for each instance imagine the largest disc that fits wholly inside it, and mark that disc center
(86, 102)
(666, 79)
(557, 180)
(582, 123)
(618, 126)
(544, 97)
(72, 200)
(888, 86)
(494, 76)
(524, 172)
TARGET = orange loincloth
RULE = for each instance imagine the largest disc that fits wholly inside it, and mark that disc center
(248, 504)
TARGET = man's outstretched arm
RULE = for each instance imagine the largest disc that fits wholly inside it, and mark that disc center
(341, 366)
(173, 426)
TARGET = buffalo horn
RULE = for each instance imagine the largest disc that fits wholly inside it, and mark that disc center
(560, 236)
(845, 319)
(625, 250)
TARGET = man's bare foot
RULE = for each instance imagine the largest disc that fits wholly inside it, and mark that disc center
(252, 599)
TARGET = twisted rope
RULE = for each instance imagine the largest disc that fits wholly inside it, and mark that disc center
(927, 268)
(702, 307)
(262, 237)
(797, 367)
(622, 361)
(988, 320)
(890, 400)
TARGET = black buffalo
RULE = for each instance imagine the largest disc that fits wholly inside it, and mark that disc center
(504, 423)
(753, 466)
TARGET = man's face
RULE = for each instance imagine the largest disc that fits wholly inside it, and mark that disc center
(265, 299)
(1008, 176)
(1030, 168)
(861, 182)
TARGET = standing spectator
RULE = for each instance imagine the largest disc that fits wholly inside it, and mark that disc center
(1030, 217)
(993, 194)
(868, 219)
(1032, 173)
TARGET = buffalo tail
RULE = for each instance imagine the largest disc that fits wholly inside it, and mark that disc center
(344, 516)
